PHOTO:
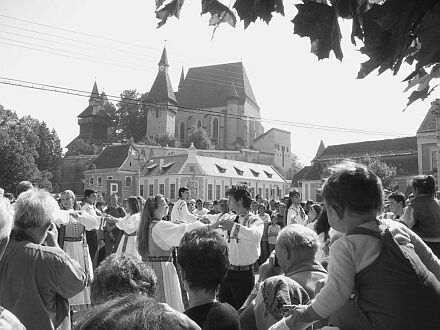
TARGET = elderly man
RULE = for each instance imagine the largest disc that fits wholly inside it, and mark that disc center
(7, 319)
(36, 279)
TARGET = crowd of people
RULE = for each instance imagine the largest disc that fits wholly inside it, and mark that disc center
(361, 259)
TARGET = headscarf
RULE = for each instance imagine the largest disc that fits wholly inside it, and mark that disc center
(280, 290)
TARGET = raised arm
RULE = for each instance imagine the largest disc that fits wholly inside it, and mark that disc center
(168, 234)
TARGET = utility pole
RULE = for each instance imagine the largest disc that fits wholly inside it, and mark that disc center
(435, 108)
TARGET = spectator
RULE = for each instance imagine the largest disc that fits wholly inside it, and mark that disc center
(272, 233)
(191, 206)
(37, 280)
(353, 199)
(254, 207)
(264, 245)
(203, 257)
(200, 210)
(7, 319)
(134, 312)
(295, 213)
(181, 211)
(276, 292)
(215, 208)
(121, 274)
(396, 202)
(423, 215)
(280, 214)
(314, 212)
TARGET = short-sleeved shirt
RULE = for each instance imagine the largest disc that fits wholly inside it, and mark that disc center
(214, 316)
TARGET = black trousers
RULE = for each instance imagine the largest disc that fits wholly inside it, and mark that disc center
(236, 287)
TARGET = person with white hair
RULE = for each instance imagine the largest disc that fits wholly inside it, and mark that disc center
(36, 279)
(7, 319)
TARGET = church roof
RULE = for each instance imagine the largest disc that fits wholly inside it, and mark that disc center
(95, 93)
(429, 123)
(164, 58)
(388, 147)
(209, 86)
(94, 110)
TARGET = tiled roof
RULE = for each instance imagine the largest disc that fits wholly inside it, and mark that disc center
(237, 169)
(111, 157)
(267, 132)
(92, 110)
(162, 90)
(399, 146)
(209, 86)
(174, 164)
(428, 124)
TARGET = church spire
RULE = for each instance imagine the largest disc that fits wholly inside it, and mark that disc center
(163, 59)
(95, 99)
(182, 79)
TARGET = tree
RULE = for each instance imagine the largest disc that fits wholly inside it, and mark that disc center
(131, 117)
(19, 142)
(384, 171)
(392, 31)
(200, 139)
(81, 147)
(294, 168)
(166, 139)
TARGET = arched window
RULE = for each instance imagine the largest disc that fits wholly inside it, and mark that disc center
(199, 124)
(215, 130)
(182, 131)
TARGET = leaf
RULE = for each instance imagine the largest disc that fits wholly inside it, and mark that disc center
(418, 94)
(171, 9)
(428, 34)
(421, 77)
(219, 13)
(250, 10)
(319, 22)
(159, 3)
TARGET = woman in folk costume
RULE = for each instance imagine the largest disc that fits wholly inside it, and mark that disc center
(156, 239)
(129, 224)
(72, 239)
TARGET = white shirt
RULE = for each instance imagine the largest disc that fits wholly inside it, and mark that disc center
(296, 214)
(244, 240)
(167, 234)
(201, 212)
(180, 212)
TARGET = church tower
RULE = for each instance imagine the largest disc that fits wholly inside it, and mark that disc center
(161, 103)
(94, 121)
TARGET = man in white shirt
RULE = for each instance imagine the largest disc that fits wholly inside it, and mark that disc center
(180, 211)
(244, 232)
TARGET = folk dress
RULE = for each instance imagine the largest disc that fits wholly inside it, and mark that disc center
(74, 243)
(128, 242)
(165, 235)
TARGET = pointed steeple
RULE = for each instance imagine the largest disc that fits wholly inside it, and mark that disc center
(104, 98)
(94, 96)
(162, 89)
(164, 58)
(319, 152)
(182, 79)
(233, 95)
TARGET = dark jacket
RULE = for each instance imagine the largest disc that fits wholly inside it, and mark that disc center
(426, 211)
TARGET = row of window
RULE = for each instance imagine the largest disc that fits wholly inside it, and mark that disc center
(128, 181)
(277, 146)
(214, 130)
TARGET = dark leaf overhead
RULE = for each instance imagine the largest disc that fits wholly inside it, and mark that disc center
(250, 10)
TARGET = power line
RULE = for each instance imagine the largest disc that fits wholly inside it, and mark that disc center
(58, 89)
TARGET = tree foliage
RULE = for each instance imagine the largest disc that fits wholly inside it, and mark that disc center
(130, 117)
(294, 168)
(163, 140)
(392, 31)
(200, 138)
(81, 147)
(384, 171)
(28, 151)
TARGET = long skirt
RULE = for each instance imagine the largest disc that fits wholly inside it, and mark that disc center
(168, 288)
(128, 244)
(80, 252)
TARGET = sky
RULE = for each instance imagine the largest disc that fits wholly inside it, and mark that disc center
(117, 44)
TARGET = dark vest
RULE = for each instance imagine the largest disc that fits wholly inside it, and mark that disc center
(426, 212)
(395, 292)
